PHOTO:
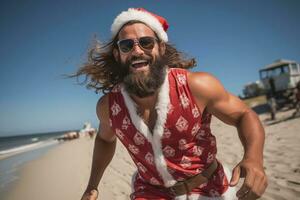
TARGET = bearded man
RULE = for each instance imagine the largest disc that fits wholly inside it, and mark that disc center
(161, 113)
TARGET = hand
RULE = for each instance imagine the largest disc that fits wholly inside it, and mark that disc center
(255, 182)
(91, 195)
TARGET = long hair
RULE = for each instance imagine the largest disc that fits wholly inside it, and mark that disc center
(102, 72)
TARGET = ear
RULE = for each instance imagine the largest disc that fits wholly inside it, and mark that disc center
(116, 54)
(162, 47)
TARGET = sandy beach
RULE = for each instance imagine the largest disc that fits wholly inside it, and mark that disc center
(62, 173)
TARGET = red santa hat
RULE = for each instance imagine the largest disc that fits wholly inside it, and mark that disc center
(157, 23)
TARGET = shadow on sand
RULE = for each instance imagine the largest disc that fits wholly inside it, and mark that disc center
(273, 122)
(265, 109)
(261, 109)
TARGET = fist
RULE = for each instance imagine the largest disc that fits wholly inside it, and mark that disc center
(255, 182)
(91, 195)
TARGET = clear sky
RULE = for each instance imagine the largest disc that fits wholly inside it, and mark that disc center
(41, 40)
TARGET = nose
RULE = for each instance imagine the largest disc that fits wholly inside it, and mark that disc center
(136, 50)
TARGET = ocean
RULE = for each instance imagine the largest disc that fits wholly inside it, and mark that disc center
(14, 144)
(15, 151)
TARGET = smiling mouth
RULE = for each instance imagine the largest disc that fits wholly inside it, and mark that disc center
(139, 64)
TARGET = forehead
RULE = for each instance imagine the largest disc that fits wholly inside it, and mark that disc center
(135, 30)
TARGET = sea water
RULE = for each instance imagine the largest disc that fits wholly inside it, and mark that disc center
(14, 144)
(15, 151)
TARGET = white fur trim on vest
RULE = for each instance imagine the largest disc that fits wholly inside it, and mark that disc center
(135, 118)
(155, 139)
(142, 16)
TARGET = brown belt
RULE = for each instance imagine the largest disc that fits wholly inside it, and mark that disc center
(186, 186)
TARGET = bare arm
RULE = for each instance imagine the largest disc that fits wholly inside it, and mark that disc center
(104, 147)
(210, 94)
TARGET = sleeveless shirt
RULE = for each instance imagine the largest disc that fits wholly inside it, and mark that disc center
(181, 144)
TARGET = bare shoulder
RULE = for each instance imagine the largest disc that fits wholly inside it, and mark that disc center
(105, 131)
(205, 86)
(217, 100)
(103, 112)
(102, 107)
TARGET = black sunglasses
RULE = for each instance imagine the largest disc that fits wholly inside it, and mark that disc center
(147, 43)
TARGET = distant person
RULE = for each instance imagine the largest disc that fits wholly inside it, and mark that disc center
(69, 136)
(297, 99)
(162, 115)
(271, 99)
(91, 133)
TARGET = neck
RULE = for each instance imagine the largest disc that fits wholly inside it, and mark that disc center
(144, 103)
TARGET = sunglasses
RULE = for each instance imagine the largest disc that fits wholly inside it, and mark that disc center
(146, 43)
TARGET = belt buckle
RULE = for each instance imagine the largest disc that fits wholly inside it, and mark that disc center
(173, 191)
(179, 185)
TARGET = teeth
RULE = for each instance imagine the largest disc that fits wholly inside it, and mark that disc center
(138, 61)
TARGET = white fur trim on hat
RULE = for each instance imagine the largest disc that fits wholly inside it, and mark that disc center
(147, 18)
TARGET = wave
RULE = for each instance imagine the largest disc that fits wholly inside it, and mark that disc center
(35, 139)
(28, 147)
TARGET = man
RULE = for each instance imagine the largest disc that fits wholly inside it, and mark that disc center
(162, 113)
(296, 99)
(271, 98)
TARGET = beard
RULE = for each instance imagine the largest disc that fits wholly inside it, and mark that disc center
(144, 84)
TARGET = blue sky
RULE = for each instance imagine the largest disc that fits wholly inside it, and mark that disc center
(42, 39)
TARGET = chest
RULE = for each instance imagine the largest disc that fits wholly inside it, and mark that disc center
(149, 117)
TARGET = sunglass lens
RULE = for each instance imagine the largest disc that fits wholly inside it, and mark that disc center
(147, 42)
(126, 45)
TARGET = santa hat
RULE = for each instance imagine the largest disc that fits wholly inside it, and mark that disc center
(157, 23)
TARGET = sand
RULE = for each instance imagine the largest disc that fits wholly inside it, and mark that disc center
(63, 172)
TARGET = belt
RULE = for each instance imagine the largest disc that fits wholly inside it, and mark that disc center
(186, 186)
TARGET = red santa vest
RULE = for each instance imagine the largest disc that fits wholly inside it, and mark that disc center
(181, 144)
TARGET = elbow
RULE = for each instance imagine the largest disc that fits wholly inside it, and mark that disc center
(247, 116)
(105, 140)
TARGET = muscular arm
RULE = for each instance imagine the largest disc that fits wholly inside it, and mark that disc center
(230, 110)
(210, 94)
(104, 146)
